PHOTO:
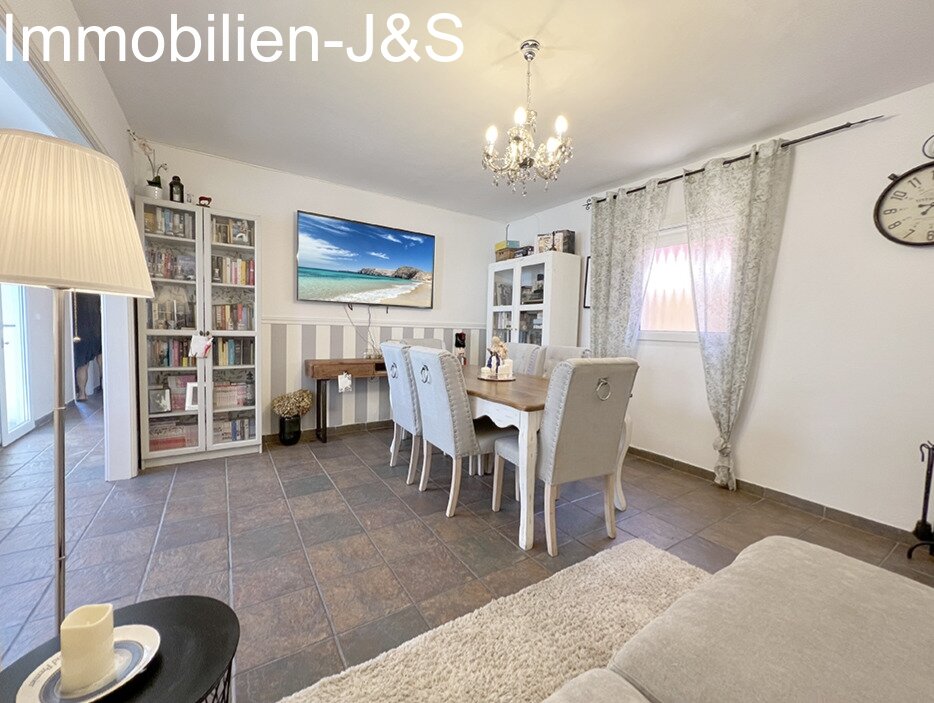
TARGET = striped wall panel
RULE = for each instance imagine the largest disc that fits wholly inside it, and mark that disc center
(285, 347)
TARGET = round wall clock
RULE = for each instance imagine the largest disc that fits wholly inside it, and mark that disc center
(905, 210)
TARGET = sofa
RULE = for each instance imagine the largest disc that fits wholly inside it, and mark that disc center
(787, 621)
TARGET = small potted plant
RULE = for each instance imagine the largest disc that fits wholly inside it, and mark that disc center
(153, 187)
(290, 407)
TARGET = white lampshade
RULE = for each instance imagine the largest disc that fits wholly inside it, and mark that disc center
(65, 219)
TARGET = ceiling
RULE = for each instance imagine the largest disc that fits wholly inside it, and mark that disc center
(645, 85)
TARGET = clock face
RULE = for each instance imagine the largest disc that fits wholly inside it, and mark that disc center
(905, 210)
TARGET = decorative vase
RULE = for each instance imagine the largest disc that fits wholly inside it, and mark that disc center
(290, 430)
(149, 191)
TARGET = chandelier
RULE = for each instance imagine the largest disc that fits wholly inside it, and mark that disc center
(524, 161)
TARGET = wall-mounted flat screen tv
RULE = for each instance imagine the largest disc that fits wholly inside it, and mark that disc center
(345, 261)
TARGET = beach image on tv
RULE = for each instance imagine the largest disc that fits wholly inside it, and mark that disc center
(344, 261)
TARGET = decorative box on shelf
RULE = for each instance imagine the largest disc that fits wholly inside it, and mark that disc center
(560, 240)
(204, 267)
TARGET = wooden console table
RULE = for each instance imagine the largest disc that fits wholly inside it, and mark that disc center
(324, 370)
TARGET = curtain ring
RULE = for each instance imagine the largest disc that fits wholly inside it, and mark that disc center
(394, 370)
(426, 376)
(603, 385)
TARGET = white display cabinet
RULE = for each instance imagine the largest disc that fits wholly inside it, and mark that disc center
(204, 267)
(535, 299)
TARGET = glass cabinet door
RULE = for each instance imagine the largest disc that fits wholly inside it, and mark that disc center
(502, 325)
(502, 288)
(532, 284)
(231, 244)
(530, 327)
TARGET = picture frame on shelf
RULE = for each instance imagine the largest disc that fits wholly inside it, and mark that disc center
(191, 397)
(587, 284)
(160, 401)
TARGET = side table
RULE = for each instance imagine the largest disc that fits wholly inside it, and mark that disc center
(199, 638)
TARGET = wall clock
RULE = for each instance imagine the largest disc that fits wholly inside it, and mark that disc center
(905, 210)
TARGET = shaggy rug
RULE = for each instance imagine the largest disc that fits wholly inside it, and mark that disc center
(525, 646)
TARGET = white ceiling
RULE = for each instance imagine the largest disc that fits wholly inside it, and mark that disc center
(645, 84)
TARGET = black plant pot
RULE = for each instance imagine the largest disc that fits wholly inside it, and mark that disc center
(290, 430)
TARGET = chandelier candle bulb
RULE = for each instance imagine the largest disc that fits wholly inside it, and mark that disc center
(561, 125)
(520, 116)
(492, 134)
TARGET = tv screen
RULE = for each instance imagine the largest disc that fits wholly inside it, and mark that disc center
(344, 261)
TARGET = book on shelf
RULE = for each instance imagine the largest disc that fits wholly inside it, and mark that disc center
(165, 263)
(235, 430)
(233, 316)
(234, 352)
(172, 433)
(233, 394)
(169, 352)
(236, 271)
(169, 222)
(170, 315)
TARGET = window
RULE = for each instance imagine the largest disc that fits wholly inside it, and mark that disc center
(668, 308)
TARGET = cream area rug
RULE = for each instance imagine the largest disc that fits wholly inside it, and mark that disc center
(525, 646)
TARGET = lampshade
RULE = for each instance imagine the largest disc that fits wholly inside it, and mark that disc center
(65, 219)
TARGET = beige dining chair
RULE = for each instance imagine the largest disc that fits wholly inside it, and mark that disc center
(403, 402)
(553, 355)
(446, 420)
(582, 434)
(526, 358)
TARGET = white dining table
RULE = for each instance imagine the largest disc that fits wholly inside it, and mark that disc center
(521, 404)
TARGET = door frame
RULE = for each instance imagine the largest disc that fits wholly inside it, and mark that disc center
(8, 436)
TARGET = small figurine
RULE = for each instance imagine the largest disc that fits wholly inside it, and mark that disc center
(205, 201)
(176, 190)
(498, 354)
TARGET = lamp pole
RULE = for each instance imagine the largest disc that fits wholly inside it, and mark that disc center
(58, 423)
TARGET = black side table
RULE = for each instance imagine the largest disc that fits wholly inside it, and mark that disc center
(199, 638)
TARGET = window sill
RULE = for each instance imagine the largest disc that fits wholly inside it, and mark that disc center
(666, 336)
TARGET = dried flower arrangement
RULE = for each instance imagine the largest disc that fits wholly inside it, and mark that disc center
(150, 153)
(293, 404)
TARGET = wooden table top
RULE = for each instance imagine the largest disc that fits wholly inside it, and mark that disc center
(526, 393)
(329, 369)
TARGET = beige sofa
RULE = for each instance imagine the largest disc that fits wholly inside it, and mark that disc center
(787, 621)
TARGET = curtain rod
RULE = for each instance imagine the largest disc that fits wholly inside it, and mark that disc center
(590, 201)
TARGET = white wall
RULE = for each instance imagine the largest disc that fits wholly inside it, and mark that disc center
(464, 245)
(843, 394)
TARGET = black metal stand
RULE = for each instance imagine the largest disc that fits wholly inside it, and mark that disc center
(321, 410)
(923, 530)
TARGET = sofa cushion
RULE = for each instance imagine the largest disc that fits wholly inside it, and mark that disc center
(597, 686)
(789, 621)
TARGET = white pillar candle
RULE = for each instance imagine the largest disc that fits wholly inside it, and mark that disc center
(87, 647)
(506, 370)
(486, 371)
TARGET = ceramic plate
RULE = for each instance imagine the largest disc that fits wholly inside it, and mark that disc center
(134, 648)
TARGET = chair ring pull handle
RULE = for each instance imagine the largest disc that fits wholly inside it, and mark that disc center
(426, 376)
(603, 389)
(394, 370)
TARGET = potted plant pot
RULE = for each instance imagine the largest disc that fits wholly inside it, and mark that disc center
(290, 430)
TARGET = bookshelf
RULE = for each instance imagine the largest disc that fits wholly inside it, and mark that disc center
(535, 299)
(203, 265)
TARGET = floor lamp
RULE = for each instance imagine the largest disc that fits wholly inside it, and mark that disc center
(65, 224)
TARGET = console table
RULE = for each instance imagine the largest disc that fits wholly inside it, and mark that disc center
(323, 370)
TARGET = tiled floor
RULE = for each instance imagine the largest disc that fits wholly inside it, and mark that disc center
(324, 552)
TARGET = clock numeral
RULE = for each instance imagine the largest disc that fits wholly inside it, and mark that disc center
(899, 195)
(890, 211)
(931, 236)
(895, 225)
(915, 181)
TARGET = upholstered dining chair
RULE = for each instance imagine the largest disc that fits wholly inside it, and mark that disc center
(446, 420)
(429, 342)
(582, 434)
(403, 402)
(553, 355)
(526, 358)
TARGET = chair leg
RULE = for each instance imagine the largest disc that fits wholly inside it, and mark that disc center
(413, 460)
(396, 443)
(426, 465)
(470, 465)
(609, 509)
(516, 476)
(557, 491)
(498, 466)
(551, 538)
(455, 486)
(481, 464)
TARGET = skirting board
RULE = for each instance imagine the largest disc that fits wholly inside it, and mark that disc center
(309, 435)
(856, 521)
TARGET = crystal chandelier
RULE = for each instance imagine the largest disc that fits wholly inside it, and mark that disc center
(523, 161)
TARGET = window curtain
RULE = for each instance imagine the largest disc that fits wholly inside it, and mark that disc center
(735, 214)
(624, 232)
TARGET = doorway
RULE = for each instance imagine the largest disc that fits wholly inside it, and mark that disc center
(15, 405)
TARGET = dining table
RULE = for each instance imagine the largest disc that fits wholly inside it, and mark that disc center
(520, 403)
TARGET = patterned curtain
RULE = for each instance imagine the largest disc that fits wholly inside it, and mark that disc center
(624, 231)
(735, 214)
